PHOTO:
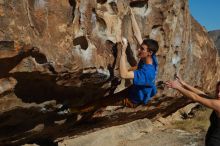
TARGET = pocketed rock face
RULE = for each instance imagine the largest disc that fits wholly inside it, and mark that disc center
(215, 35)
(54, 51)
(201, 51)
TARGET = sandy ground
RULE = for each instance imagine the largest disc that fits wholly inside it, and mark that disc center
(144, 132)
(138, 133)
(168, 137)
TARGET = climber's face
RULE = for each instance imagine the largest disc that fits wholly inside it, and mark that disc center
(143, 51)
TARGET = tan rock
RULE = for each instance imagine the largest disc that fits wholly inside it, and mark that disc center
(65, 51)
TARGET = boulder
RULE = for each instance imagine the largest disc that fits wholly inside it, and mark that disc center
(57, 52)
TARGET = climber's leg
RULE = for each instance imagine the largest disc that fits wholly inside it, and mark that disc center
(120, 98)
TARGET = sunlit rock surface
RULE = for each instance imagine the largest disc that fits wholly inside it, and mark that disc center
(56, 52)
(215, 35)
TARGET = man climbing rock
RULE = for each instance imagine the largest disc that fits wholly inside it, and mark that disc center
(144, 77)
(145, 74)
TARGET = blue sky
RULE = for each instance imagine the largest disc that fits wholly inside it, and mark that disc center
(206, 12)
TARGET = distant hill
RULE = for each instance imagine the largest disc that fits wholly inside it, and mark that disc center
(215, 35)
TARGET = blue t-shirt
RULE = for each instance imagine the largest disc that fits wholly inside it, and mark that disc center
(144, 83)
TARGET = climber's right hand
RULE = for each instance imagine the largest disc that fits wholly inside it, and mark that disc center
(124, 44)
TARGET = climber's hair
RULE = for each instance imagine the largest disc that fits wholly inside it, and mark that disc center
(151, 44)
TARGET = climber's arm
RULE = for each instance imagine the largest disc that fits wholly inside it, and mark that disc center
(124, 72)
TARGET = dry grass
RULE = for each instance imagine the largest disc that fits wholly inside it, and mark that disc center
(200, 122)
